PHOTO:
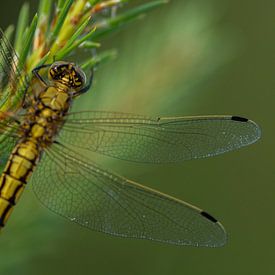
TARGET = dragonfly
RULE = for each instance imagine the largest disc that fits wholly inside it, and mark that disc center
(46, 144)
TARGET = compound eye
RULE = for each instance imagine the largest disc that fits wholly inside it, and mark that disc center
(79, 78)
(67, 73)
(58, 70)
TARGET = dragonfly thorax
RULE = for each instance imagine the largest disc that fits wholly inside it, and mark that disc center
(66, 74)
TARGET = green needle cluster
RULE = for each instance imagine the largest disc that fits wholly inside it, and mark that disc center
(62, 27)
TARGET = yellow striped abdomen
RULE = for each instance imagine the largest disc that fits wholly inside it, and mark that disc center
(42, 122)
(15, 176)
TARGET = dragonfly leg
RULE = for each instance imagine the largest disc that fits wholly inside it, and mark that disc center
(36, 70)
(87, 87)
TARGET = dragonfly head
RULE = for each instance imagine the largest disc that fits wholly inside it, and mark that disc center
(68, 74)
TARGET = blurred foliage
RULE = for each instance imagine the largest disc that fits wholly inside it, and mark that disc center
(176, 53)
(163, 62)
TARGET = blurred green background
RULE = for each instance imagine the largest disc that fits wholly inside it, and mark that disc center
(186, 58)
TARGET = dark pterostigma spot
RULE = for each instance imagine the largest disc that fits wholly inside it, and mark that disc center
(238, 118)
(209, 217)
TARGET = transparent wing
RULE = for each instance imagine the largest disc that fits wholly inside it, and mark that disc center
(157, 140)
(9, 72)
(12, 82)
(6, 146)
(95, 198)
(9, 75)
(8, 139)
